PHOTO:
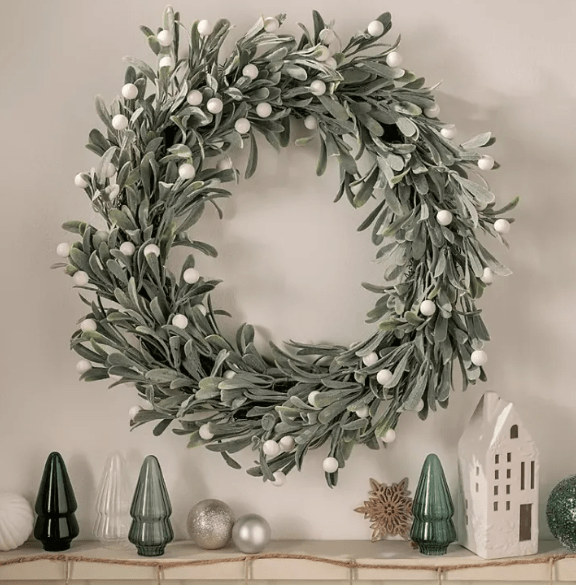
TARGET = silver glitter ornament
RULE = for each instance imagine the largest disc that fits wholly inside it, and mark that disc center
(251, 533)
(210, 524)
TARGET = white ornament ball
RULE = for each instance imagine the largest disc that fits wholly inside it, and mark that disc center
(16, 521)
(242, 126)
(191, 275)
(327, 36)
(279, 478)
(63, 250)
(271, 24)
(487, 276)
(224, 164)
(194, 97)
(427, 308)
(205, 432)
(502, 226)
(214, 105)
(186, 171)
(180, 321)
(229, 374)
(202, 309)
(80, 182)
(152, 249)
(331, 62)
(389, 436)
(133, 411)
(311, 122)
(449, 132)
(250, 71)
(110, 170)
(263, 109)
(120, 122)
(479, 357)
(375, 28)
(322, 53)
(127, 248)
(271, 448)
(318, 87)
(164, 38)
(394, 59)
(166, 62)
(88, 325)
(83, 366)
(205, 28)
(432, 111)
(330, 464)
(486, 163)
(362, 412)
(251, 533)
(312, 397)
(80, 278)
(287, 443)
(444, 217)
(370, 359)
(129, 91)
(384, 376)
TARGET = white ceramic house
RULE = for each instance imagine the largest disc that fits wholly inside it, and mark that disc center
(498, 471)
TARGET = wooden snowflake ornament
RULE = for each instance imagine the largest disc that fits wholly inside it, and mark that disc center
(389, 509)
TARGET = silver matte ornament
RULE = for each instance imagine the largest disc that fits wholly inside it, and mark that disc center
(210, 524)
(251, 533)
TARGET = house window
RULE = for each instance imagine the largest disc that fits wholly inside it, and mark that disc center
(495, 506)
(508, 473)
(496, 459)
(525, 522)
(522, 475)
(495, 490)
(507, 490)
(466, 519)
(507, 506)
(477, 471)
(514, 432)
(532, 474)
(466, 504)
(476, 487)
(509, 457)
(496, 474)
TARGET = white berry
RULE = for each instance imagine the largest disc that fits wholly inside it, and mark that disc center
(166, 62)
(370, 359)
(389, 436)
(186, 171)
(502, 226)
(330, 464)
(318, 87)
(83, 366)
(420, 406)
(311, 122)
(152, 249)
(214, 105)
(110, 170)
(322, 53)
(80, 182)
(279, 478)
(479, 357)
(120, 122)
(127, 248)
(271, 24)
(63, 250)
(164, 38)
(327, 36)
(115, 377)
(384, 376)
(204, 28)
(394, 59)
(432, 111)
(486, 163)
(487, 276)
(375, 28)
(206, 433)
(224, 164)
(88, 325)
(287, 444)
(129, 91)
(427, 308)
(331, 62)
(444, 217)
(133, 411)
(242, 125)
(250, 71)
(191, 275)
(449, 131)
(229, 374)
(362, 412)
(114, 191)
(271, 448)
(100, 236)
(202, 309)
(80, 278)
(312, 397)
(263, 109)
(194, 97)
(180, 321)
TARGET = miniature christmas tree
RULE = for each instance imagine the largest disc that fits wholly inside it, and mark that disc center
(432, 528)
(151, 530)
(56, 525)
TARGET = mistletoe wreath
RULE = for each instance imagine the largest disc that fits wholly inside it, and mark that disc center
(165, 156)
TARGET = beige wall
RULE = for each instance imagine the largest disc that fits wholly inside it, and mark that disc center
(292, 261)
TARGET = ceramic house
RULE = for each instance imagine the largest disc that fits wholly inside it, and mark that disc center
(498, 474)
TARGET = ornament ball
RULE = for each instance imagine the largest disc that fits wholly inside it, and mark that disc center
(394, 59)
(383, 377)
(120, 122)
(263, 109)
(271, 448)
(80, 182)
(242, 125)
(486, 163)
(427, 308)
(152, 249)
(63, 250)
(191, 276)
(80, 278)
(204, 28)
(444, 217)
(180, 321)
(186, 171)
(479, 357)
(129, 91)
(502, 226)
(164, 38)
(205, 432)
(279, 479)
(214, 105)
(370, 359)
(487, 276)
(251, 533)
(210, 524)
(194, 97)
(312, 397)
(127, 248)
(330, 464)
(375, 28)
(318, 87)
(311, 122)
(250, 71)
(271, 24)
(287, 443)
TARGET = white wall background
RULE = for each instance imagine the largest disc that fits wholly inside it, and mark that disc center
(292, 261)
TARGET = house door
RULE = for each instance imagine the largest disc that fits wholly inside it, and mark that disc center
(525, 522)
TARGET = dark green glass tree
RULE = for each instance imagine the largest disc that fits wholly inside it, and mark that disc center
(150, 530)
(432, 529)
(56, 525)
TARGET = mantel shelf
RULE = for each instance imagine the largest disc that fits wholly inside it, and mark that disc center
(407, 565)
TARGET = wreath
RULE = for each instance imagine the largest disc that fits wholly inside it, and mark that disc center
(165, 156)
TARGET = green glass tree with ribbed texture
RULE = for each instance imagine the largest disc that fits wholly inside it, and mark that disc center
(56, 525)
(432, 528)
(150, 530)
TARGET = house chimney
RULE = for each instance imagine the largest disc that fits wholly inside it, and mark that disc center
(489, 403)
